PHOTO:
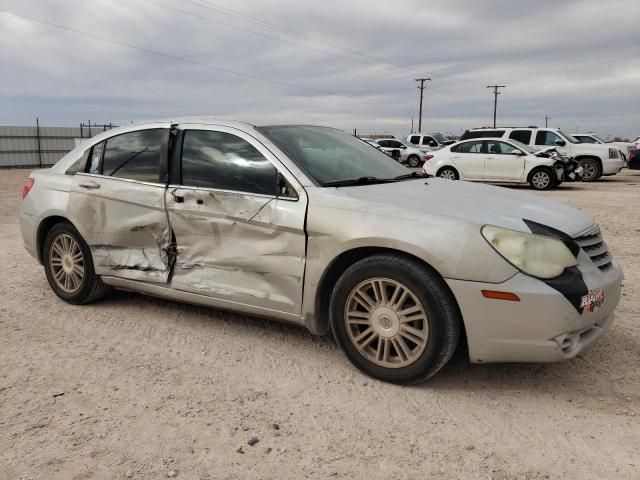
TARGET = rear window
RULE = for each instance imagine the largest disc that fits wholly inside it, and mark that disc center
(415, 140)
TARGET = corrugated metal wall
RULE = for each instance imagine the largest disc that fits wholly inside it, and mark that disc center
(19, 145)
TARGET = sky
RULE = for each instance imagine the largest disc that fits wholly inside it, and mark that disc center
(347, 64)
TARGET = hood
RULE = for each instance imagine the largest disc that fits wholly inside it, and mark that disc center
(471, 202)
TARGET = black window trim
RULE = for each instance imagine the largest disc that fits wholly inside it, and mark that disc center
(175, 165)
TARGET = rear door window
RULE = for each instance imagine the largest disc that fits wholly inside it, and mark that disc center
(134, 155)
(224, 161)
(523, 136)
(469, 147)
(415, 139)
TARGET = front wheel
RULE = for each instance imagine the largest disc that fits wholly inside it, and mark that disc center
(394, 318)
(541, 179)
(69, 266)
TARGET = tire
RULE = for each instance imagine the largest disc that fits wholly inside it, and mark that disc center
(404, 358)
(592, 170)
(541, 179)
(448, 173)
(413, 161)
(69, 266)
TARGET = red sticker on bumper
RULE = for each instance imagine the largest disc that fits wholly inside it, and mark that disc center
(592, 301)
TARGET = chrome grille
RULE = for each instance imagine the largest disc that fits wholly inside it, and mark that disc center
(593, 245)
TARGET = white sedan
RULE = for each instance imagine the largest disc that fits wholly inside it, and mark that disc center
(493, 160)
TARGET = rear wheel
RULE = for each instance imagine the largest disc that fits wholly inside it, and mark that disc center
(413, 161)
(394, 318)
(69, 266)
(541, 179)
(591, 169)
(448, 173)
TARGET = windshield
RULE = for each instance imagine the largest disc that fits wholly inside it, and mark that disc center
(569, 137)
(598, 138)
(524, 147)
(440, 137)
(327, 155)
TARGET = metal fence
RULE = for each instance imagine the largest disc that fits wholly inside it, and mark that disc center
(38, 146)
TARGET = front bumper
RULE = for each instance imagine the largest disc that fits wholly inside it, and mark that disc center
(542, 327)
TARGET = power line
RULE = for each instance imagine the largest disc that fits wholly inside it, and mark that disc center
(248, 18)
(242, 29)
(194, 62)
(421, 88)
(495, 100)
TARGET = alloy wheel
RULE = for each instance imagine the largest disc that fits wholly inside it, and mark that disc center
(386, 322)
(67, 263)
(447, 174)
(541, 180)
(589, 170)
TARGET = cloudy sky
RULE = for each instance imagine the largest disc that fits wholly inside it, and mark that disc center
(349, 64)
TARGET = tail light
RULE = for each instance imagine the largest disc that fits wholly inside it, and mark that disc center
(28, 185)
(428, 157)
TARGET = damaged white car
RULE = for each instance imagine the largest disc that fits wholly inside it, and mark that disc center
(312, 226)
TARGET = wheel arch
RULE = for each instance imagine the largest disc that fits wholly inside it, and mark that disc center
(537, 168)
(320, 324)
(591, 157)
(43, 229)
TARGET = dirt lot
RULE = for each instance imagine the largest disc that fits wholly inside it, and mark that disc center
(155, 389)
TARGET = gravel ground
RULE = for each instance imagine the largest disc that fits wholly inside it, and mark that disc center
(137, 387)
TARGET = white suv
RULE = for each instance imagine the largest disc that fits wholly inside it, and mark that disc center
(597, 160)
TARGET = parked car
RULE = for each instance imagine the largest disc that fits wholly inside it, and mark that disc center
(372, 143)
(432, 140)
(496, 160)
(311, 226)
(597, 160)
(404, 152)
(623, 147)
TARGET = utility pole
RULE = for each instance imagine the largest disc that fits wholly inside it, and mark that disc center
(421, 88)
(495, 100)
(546, 121)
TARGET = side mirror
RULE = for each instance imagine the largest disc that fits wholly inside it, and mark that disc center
(560, 142)
(517, 152)
(403, 147)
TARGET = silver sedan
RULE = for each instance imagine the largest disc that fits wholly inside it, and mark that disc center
(312, 226)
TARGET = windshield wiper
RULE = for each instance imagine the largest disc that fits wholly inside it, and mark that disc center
(407, 176)
(356, 181)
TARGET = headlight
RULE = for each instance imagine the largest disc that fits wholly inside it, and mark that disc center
(535, 255)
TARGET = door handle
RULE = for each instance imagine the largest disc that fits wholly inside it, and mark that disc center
(89, 185)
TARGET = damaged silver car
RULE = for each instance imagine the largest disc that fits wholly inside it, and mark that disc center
(312, 226)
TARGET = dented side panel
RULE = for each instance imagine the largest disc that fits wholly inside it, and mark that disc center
(242, 248)
(125, 225)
